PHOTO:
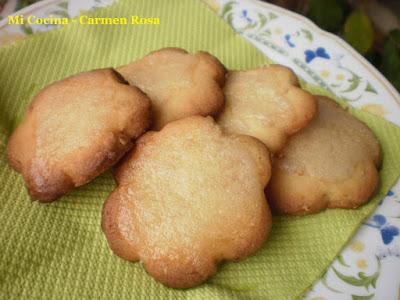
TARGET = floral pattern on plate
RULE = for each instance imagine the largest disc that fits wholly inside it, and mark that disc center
(55, 8)
(369, 266)
(313, 54)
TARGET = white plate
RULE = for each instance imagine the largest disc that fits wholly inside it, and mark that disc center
(369, 266)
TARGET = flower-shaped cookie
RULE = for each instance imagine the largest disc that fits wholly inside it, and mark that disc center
(189, 197)
(75, 129)
(179, 84)
(266, 103)
(332, 163)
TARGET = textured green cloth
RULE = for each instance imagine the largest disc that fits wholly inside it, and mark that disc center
(58, 250)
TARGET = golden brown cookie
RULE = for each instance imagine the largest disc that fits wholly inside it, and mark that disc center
(332, 163)
(178, 83)
(266, 103)
(189, 197)
(75, 129)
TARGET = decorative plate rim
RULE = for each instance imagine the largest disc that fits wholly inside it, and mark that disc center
(29, 8)
(347, 47)
(373, 71)
(370, 71)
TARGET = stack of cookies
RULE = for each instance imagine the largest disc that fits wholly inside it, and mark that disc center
(203, 153)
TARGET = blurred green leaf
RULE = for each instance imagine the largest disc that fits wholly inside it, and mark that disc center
(391, 58)
(25, 3)
(360, 280)
(63, 5)
(227, 8)
(263, 20)
(327, 14)
(25, 28)
(342, 261)
(370, 88)
(359, 32)
(272, 16)
(308, 35)
(355, 297)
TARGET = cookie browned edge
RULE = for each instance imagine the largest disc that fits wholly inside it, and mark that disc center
(311, 202)
(304, 111)
(126, 250)
(308, 100)
(208, 108)
(60, 184)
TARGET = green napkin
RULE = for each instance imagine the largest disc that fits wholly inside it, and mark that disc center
(58, 250)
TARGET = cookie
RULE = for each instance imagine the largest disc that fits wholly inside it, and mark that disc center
(178, 83)
(189, 197)
(332, 163)
(75, 129)
(266, 103)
